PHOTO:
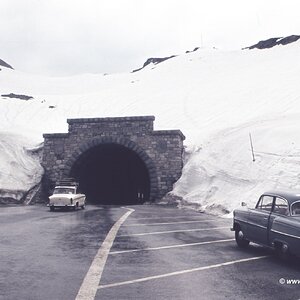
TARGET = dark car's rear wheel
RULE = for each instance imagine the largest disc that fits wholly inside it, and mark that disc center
(240, 239)
(282, 251)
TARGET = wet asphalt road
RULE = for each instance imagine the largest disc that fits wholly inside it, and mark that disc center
(158, 253)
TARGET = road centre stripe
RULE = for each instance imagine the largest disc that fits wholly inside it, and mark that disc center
(180, 272)
(166, 223)
(91, 280)
(169, 247)
(172, 231)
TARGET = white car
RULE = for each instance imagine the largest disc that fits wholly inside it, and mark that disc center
(66, 196)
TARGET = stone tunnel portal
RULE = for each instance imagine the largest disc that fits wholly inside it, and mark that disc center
(112, 174)
(120, 160)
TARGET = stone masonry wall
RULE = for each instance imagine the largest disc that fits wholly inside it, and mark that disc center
(161, 150)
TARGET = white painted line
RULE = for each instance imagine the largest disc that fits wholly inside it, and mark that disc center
(177, 217)
(167, 223)
(91, 280)
(172, 231)
(180, 272)
(170, 247)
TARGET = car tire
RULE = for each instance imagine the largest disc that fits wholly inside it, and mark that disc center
(282, 251)
(240, 240)
(51, 208)
(83, 206)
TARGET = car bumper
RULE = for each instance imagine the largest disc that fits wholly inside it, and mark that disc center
(61, 205)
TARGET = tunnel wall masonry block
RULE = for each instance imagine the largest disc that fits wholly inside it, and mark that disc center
(160, 150)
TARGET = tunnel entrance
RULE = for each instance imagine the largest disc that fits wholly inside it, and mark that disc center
(112, 174)
(119, 160)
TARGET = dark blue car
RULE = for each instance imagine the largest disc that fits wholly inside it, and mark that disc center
(274, 222)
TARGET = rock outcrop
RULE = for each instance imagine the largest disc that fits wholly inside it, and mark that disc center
(153, 60)
(4, 64)
(16, 96)
(269, 43)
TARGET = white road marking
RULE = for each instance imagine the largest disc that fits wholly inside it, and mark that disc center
(91, 281)
(169, 247)
(180, 272)
(172, 231)
(177, 217)
(167, 223)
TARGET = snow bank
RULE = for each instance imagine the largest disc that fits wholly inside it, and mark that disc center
(215, 97)
(20, 167)
(221, 174)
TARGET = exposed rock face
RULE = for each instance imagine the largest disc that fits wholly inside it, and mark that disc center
(190, 51)
(289, 39)
(274, 42)
(154, 60)
(21, 97)
(4, 64)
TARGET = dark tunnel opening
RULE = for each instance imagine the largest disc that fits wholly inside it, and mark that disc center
(112, 174)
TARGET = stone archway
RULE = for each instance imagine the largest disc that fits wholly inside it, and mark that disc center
(157, 154)
(113, 171)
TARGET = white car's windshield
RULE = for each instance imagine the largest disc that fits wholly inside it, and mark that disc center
(296, 208)
(64, 191)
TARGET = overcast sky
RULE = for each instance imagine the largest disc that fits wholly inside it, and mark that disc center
(66, 37)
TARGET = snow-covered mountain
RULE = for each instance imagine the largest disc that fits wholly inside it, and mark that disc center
(217, 98)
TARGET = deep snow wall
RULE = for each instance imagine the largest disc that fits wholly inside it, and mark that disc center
(215, 97)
